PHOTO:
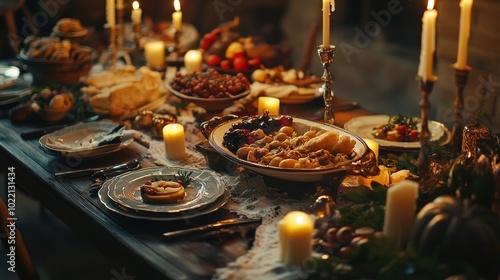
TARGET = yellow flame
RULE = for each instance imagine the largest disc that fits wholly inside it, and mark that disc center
(177, 5)
(430, 5)
(135, 5)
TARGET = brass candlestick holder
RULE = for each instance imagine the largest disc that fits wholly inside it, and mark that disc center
(121, 28)
(425, 134)
(137, 35)
(112, 46)
(461, 76)
(326, 56)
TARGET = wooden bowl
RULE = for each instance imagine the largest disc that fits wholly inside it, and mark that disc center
(64, 72)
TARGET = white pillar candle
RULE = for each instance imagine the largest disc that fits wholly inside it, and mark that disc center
(173, 137)
(268, 104)
(154, 52)
(428, 42)
(110, 13)
(193, 61)
(463, 35)
(400, 210)
(136, 13)
(295, 232)
(177, 16)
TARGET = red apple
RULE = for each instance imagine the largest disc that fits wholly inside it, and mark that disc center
(240, 63)
(254, 62)
(213, 60)
(225, 64)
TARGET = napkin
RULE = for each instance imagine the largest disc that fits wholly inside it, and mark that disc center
(279, 91)
(115, 136)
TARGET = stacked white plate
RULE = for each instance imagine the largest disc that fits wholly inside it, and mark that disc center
(11, 88)
(204, 195)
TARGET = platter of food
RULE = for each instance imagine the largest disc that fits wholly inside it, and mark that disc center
(288, 148)
(381, 129)
(165, 189)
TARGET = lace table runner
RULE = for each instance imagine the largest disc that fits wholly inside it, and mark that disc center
(250, 198)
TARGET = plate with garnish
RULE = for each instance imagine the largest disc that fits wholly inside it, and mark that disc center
(396, 131)
(165, 189)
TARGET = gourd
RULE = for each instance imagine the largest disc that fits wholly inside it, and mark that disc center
(473, 180)
(458, 233)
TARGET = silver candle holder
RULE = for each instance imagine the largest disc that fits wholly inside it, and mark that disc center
(326, 56)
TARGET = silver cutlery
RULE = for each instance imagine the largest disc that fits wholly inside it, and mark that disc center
(212, 226)
(83, 172)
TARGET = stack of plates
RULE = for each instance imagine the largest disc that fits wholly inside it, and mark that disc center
(11, 88)
(204, 195)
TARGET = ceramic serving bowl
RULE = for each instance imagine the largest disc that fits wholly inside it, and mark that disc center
(209, 104)
(363, 163)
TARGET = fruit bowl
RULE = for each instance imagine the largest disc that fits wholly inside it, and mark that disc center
(209, 104)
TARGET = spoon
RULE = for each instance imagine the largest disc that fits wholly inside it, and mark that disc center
(100, 176)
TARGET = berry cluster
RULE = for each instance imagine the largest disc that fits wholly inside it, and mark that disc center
(240, 133)
(210, 84)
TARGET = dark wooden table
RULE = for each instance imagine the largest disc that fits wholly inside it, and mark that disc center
(137, 244)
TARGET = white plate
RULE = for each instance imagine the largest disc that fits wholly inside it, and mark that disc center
(290, 174)
(73, 137)
(304, 95)
(204, 189)
(117, 208)
(364, 125)
(14, 92)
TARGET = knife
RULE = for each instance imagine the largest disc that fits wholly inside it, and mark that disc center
(82, 172)
(212, 226)
(39, 132)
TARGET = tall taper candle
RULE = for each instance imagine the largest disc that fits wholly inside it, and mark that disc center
(110, 13)
(177, 16)
(463, 35)
(428, 42)
(326, 21)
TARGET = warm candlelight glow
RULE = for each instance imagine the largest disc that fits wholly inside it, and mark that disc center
(136, 13)
(175, 146)
(425, 68)
(154, 52)
(295, 232)
(193, 61)
(177, 16)
(268, 104)
(373, 145)
(464, 33)
(430, 5)
(400, 210)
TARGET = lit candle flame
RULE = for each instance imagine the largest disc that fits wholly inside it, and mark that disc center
(177, 5)
(430, 5)
(300, 220)
(135, 5)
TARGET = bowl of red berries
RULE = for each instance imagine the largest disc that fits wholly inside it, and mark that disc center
(210, 89)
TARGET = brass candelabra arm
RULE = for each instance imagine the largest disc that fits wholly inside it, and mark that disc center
(326, 56)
